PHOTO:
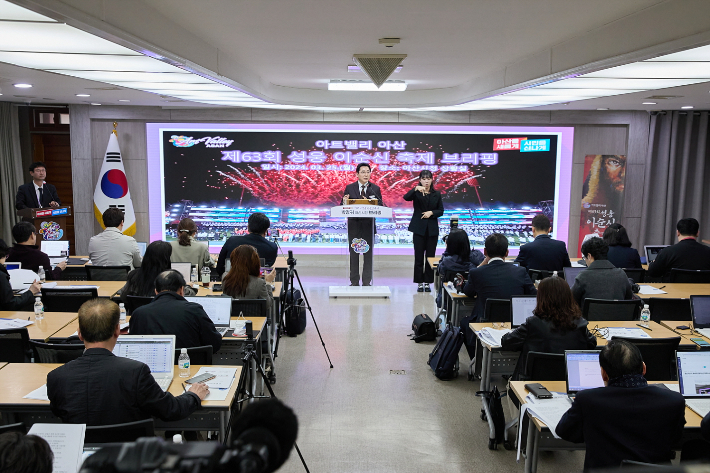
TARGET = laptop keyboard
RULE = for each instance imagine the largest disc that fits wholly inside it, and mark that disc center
(164, 383)
(222, 330)
(699, 406)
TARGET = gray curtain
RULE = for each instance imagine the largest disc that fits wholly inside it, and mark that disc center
(677, 178)
(10, 168)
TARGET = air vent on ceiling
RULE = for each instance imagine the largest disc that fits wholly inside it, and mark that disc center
(378, 67)
(664, 97)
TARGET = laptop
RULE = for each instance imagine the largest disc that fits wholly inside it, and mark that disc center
(583, 371)
(571, 274)
(142, 246)
(183, 268)
(156, 351)
(694, 379)
(218, 309)
(10, 266)
(652, 252)
(700, 310)
(522, 307)
(55, 249)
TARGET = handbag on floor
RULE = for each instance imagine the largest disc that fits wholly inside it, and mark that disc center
(445, 356)
(424, 329)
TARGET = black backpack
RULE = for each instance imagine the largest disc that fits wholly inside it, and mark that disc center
(295, 313)
(424, 329)
(444, 357)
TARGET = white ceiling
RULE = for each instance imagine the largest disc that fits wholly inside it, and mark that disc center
(286, 51)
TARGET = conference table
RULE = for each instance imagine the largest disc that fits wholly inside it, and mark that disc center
(20, 379)
(52, 322)
(105, 288)
(540, 437)
(686, 334)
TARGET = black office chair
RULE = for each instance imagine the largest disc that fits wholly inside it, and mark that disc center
(128, 432)
(66, 300)
(19, 427)
(249, 307)
(107, 273)
(690, 276)
(134, 302)
(639, 466)
(544, 367)
(659, 356)
(496, 310)
(669, 309)
(601, 309)
(55, 352)
(637, 274)
(15, 345)
(198, 355)
(540, 274)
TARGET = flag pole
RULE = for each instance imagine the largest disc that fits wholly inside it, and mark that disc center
(114, 129)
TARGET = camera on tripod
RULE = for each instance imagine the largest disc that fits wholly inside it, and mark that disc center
(453, 224)
(291, 261)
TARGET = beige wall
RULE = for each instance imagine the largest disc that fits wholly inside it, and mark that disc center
(595, 132)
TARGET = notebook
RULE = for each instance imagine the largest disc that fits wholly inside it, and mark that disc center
(218, 309)
(522, 307)
(652, 251)
(156, 351)
(571, 274)
(583, 371)
(700, 310)
(183, 268)
(55, 249)
(694, 379)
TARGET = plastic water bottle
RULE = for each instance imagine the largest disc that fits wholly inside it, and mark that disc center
(645, 314)
(184, 363)
(193, 275)
(42, 276)
(39, 308)
(122, 311)
(554, 274)
(205, 276)
(177, 438)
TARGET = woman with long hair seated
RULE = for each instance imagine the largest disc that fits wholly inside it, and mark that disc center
(557, 325)
(243, 280)
(187, 249)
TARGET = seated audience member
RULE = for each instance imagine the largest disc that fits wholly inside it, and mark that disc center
(601, 280)
(20, 453)
(171, 314)
(557, 325)
(111, 247)
(257, 225)
(457, 256)
(141, 281)
(493, 279)
(187, 249)
(686, 254)
(8, 300)
(621, 255)
(544, 252)
(627, 419)
(243, 280)
(26, 251)
(99, 388)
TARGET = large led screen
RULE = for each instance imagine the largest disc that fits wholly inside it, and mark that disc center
(493, 179)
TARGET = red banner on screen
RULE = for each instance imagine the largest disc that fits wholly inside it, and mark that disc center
(507, 143)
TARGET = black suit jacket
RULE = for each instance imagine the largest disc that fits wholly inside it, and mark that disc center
(353, 190)
(424, 203)
(27, 198)
(100, 388)
(544, 253)
(624, 257)
(8, 300)
(171, 314)
(496, 280)
(615, 423)
(686, 254)
(265, 248)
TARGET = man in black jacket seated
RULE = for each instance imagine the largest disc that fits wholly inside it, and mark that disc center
(627, 419)
(544, 252)
(8, 300)
(171, 314)
(686, 254)
(257, 226)
(493, 279)
(100, 388)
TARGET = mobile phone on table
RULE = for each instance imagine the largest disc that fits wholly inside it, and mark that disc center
(539, 391)
(701, 342)
(201, 378)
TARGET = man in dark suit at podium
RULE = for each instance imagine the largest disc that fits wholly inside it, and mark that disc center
(363, 228)
(37, 193)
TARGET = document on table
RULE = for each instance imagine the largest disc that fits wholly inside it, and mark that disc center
(644, 289)
(219, 386)
(549, 411)
(705, 332)
(13, 323)
(49, 285)
(492, 336)
(77, 287)
(39, 394)
(626, 333)
(66, 442)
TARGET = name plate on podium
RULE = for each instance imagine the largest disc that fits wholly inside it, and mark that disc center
(366, 211)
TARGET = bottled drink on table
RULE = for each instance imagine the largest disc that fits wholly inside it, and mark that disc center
(193, 275)
(645, 314)
(205, 276)
(39, 308)
(41, 274)
(122, 311)
(184, 363)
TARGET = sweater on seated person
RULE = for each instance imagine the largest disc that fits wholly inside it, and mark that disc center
(601, 280)
(256, 289)
(32, 258)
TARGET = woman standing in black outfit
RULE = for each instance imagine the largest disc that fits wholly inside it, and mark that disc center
(425, 227)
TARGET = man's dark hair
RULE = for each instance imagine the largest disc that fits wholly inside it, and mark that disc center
(170, 280)
(615, 235)
(541, 222)
(35, 165)
(258, 223)
(20, 453)
(112, 217)
(362, 165)
(619, 357)
(4, 249)
(98, 319)
(688, 227)
(22, 231)
(496, 245)
(597, 247)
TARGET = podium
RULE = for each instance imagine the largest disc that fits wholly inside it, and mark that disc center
(50, 223)
(361, 214)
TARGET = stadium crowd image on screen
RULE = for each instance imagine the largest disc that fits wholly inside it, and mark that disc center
(492, 179)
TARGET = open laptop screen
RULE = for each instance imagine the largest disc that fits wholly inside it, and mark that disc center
(55, 248)
(583, 371)
(10, 266)
(571, 274)
(700, 308)
(694, 373)
(652, 252)
(219, 309)
(156, 352)
(522, 308)
(183, 268)
(142, 247)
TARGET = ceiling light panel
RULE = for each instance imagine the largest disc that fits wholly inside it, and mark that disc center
(657, 70)
(696, 54)
(629, 84)
(88, 62)
(573, 94)
(8, 11)
(164, 86)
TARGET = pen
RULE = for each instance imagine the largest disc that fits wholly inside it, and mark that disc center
(183, 387)
(645, 326)
(661, 287)
(32, 282)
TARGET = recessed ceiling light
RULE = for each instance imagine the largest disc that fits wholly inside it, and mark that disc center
(367, 86)
(648, 103)
(687, 106)
(23, 86)
(83, 95)
(123, 100)
(94, 103)
(602, 109)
